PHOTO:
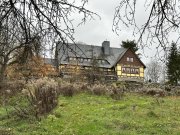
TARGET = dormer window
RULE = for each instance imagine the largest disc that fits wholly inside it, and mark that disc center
(103, 61)
(81, 60)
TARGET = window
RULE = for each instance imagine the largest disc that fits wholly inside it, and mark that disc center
(132, 70)
(124, 70)
(129, 70)
(89, 60)
(81, 60)
(136, 71)
(102, 61)
(130, 59)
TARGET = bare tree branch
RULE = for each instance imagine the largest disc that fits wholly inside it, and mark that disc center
(163, 20)
(51, 19)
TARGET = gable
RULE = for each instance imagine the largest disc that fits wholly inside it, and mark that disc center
(130, 54)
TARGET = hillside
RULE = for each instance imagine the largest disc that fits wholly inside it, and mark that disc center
(87, 114)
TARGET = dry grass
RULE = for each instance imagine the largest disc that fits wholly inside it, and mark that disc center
(42, 95)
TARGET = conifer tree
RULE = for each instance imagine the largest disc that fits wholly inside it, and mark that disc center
(173, 65)
(130, 44)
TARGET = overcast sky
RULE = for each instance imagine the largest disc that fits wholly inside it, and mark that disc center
(96, 31)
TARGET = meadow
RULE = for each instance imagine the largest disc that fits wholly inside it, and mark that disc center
(88, 114)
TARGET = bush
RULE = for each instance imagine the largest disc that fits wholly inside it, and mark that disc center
(99, 89)
(85, 87)
(155, 92)
(120, 85)
(42, 96)
(12, 87)
(68, 90)
(117, 93)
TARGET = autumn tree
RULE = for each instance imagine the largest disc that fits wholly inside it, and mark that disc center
(8, 47)
(51, 20)
(13, 50)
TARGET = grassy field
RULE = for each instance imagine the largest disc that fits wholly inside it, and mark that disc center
(86, 114)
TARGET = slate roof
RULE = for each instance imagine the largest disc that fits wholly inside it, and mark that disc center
(89, 52)
(50, 61)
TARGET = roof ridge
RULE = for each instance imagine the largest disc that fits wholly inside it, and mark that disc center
(94, 45)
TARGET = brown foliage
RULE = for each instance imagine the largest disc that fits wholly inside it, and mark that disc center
(34, 67)
(11, 87)
(67, 90)
(42, 95)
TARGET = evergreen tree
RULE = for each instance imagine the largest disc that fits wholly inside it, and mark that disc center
(130, 44)
(173, 65)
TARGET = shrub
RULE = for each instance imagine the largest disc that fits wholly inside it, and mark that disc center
(99, 89)
(117, 93)
(85, 87)
(155, 92)
(42, 96)
(120, 84)
(68, 90)
(12, 87)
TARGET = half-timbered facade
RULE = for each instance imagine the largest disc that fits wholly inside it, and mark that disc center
(120, 63)
(130, 67)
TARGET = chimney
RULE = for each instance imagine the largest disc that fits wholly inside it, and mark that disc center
(106, 47)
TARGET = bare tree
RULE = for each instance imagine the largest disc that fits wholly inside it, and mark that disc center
(153, 71)
(24, 21)
(50, 19)
(12, 51)
(8, 46)
(163, 20)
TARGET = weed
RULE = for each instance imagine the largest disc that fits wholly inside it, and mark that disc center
(117, 93)
(42, 98)
(152, 114)
(6, 131)
(98, 89)
(67, 90)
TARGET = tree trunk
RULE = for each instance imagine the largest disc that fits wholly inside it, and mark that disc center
(2, 72)
(57, 60)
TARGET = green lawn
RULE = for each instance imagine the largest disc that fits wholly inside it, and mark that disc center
(86, 114)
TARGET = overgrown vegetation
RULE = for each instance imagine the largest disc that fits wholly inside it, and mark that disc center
(89, 114)
(58, 106)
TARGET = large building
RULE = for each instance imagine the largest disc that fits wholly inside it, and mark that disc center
(121, 63)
